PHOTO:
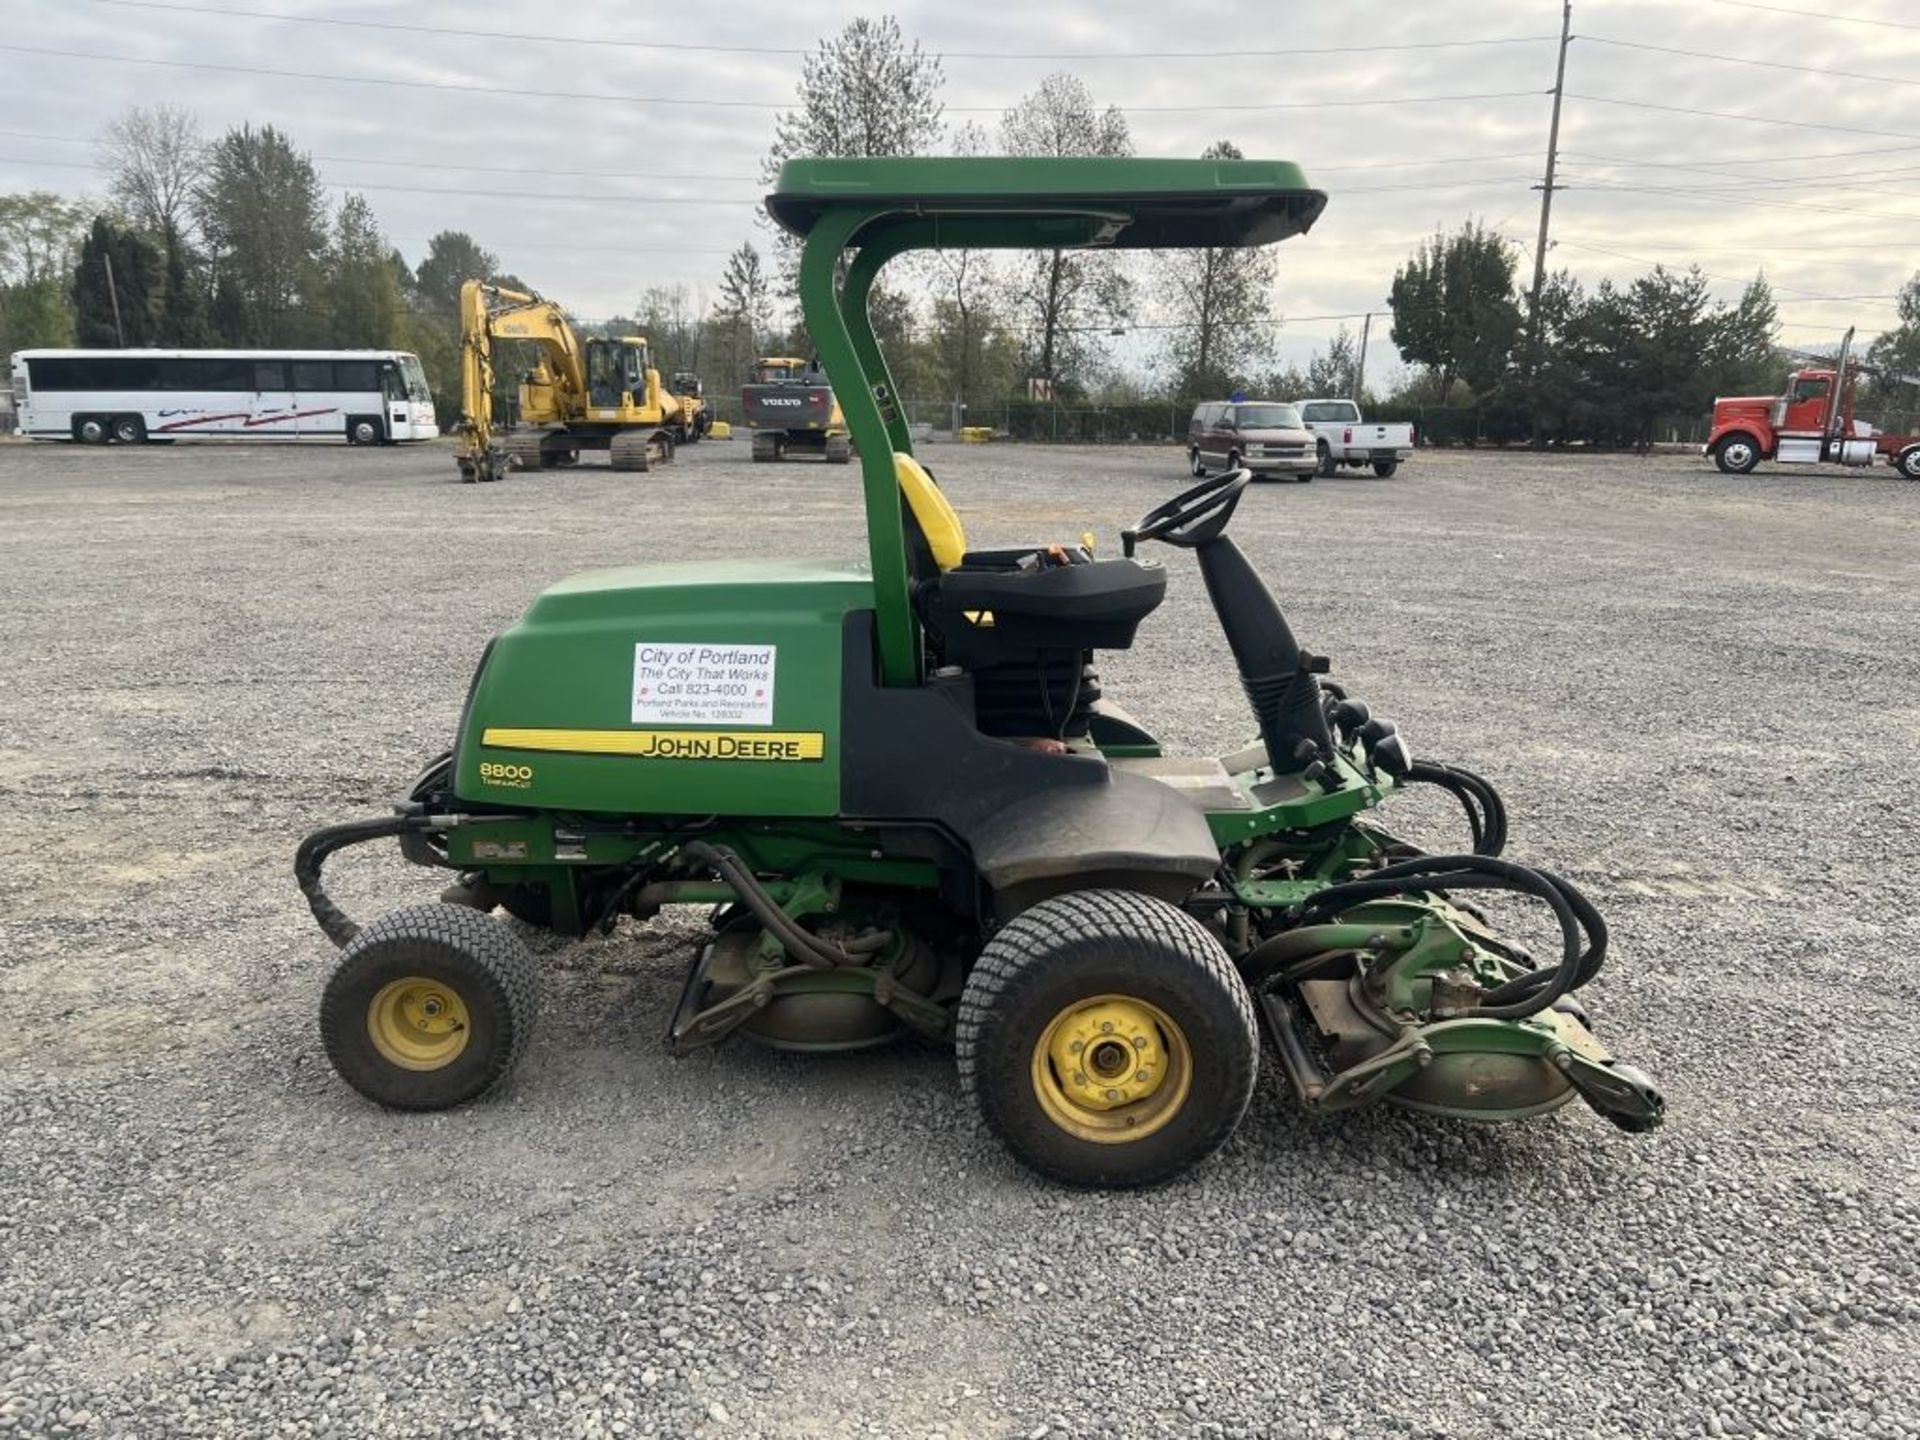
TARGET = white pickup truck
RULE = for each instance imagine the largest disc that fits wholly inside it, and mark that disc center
(1346, 439)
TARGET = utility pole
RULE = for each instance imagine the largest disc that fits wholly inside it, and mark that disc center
(1360, 365)
(1546, 190)
(113, 295)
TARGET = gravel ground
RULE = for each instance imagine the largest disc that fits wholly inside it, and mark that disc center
(1697, 693)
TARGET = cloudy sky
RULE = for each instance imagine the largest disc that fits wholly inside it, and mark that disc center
(1405, 139)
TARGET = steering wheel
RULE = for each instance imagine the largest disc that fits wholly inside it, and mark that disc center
(1192, 517)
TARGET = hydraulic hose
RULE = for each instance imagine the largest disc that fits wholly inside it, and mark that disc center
(804, 946)
(312, 855)
(1486, 814)
(1524, 995)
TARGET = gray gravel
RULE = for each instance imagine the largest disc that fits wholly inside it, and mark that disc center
(1698, 694)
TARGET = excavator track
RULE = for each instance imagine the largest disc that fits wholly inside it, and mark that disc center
(527, 450)
(640, 450)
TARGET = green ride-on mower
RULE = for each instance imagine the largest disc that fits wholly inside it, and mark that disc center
(900, 789)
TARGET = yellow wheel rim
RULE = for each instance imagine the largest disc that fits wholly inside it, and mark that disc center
(1112, 1069)
(418, 1024)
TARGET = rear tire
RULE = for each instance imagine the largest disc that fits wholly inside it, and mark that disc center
(1907, 462)
(1096, 971)
(1385, 468)
(129, 430)
(1737, 454)
(429, 1007)
(91, 430)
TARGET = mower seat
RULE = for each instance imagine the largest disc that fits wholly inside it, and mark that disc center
(988, 607)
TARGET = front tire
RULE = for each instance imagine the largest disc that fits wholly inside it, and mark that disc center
(1907, 462)
(1194, 467)
(429, 1007)
(1736, 455)
(1327, 465)
(1107, 1039)
(362, 431)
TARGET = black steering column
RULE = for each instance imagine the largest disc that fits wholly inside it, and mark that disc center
(1276, 674)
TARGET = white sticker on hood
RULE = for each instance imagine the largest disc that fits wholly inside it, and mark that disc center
(702, 684)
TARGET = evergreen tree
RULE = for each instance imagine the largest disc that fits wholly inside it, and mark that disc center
(261, 212)
(453, 257)
(118, 286)
(1454, 310)
(183, 320)
(362, 289)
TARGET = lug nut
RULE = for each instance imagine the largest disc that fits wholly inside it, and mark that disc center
(1113, 1094)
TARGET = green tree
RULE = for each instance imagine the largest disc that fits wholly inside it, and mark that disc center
(453, 257)
(261, 212)
(1221, 301)
(119, 282)
(362, 288)
(1743, 354)
(39, 235)
(1895, 356)
(1454, 310)
(865, 91)
(742, 316)
(1068, 294)
(1555, 388)
(1330, 372)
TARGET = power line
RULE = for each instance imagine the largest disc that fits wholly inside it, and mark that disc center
(708, 101)
(601, 42)
(442, 190)
(1819, 15)
(1801, 297)
(1319, 169)
(1750, 119)
(416, 164)
(1748, 60)
(1687, 247)
(1745, 199)
(1776, 181)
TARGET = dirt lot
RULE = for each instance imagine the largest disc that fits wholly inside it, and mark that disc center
(1698, 694)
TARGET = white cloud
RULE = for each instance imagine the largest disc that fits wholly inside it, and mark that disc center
(598, 254)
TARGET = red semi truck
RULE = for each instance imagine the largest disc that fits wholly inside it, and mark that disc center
(1811, 424)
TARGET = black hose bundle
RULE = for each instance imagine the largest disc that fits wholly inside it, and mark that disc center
(312, 855)
(803, 945)
(1486, 815)
(1583, 932)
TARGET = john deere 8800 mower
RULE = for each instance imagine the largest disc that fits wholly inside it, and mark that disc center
(900, 789)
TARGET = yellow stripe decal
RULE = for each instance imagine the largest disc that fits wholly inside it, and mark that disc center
(666, 744)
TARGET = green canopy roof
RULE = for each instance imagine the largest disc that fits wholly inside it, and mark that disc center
(1026, 202)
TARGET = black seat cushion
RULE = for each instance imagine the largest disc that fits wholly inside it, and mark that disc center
(1006, 604)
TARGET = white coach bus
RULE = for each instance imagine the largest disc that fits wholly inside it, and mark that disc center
(365, 397)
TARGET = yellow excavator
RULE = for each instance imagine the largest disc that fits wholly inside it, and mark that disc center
(603, 394)
(791, 410)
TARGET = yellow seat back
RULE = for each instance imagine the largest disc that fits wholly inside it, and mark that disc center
(946, 537)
